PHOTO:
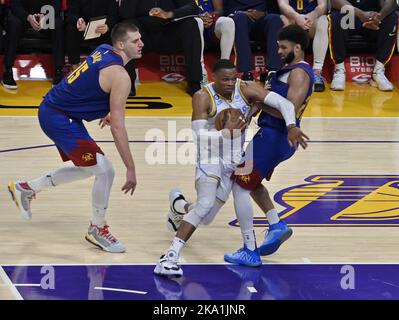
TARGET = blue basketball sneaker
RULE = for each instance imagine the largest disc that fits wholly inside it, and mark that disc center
(278, 233)
(244, 257)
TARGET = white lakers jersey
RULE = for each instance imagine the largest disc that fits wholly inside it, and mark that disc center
(220, 103)
(228, 152)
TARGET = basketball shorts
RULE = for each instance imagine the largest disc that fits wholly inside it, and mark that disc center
(220, 173)
(268, 148)
(70, 137)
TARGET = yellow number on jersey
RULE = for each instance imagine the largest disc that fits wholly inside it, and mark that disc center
(299, 5)
(74, 75)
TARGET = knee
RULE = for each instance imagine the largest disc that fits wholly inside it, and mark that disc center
(240, 18)
(390, 20)
(189, 24)
(204, 206)
(104, 167)
(273, 21)
(322, 23)
(226, 25)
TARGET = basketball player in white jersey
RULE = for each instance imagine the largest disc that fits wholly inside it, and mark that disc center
(213, 183)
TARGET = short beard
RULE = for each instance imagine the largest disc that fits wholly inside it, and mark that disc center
(289, 58)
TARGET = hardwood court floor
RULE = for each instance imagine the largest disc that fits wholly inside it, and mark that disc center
(352, 133)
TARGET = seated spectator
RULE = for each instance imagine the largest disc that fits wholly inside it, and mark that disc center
(377, 23)
(310, 16)
(28, 14)
(252, 21)
(215, 29)
(79, 14)
(163, 32)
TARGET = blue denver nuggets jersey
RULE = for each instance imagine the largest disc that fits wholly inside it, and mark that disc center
(205, 6)
(281, 87)
(303, 6)
(79, 95)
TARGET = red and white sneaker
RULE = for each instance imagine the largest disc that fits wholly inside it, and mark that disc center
(103, 238)
(22, 194)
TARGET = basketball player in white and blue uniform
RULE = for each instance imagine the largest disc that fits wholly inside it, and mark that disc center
(213, 169)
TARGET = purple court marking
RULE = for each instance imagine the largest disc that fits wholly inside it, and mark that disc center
(213, 282)
(184, 141)
(339, 200)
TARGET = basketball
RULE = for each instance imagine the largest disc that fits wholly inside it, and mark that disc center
(222, 117)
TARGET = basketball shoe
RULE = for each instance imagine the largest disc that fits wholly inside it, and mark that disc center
(244, 257)
(168, 267)
(174, 217)
(277, 234)
(103, 238)
(22, 194)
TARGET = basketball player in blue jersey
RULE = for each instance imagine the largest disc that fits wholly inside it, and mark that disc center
(213, 168)
(270, 147)
(100, 85)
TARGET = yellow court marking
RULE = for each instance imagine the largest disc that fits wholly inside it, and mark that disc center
(165, 99)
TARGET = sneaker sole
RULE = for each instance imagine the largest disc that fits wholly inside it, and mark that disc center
(158, 272)
(268, 250)
(9, 87)
(13, 195)
(234, 261)
(91, 240)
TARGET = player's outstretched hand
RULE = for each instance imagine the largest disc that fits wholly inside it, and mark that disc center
(296, 136)
(106, 121)
(131, 181)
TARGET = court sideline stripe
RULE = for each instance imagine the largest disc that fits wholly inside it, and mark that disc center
(8, 282)
(185, 141)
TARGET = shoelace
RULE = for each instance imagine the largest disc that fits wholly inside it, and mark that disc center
(104, 232)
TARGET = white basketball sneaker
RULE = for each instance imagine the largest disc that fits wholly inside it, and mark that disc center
(174, 218)
(338, 82)
(22, 194)
(379, 79)
(103, 238)
(168, 267)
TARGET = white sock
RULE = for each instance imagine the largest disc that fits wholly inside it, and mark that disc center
(378, 66)
(98, 217)
(272, 216)
(340, 66)
(245, 215)
(174, 250)
(249, 239)
(320, 42)
(179, 206)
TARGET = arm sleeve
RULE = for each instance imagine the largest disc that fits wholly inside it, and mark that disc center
(286, 107)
